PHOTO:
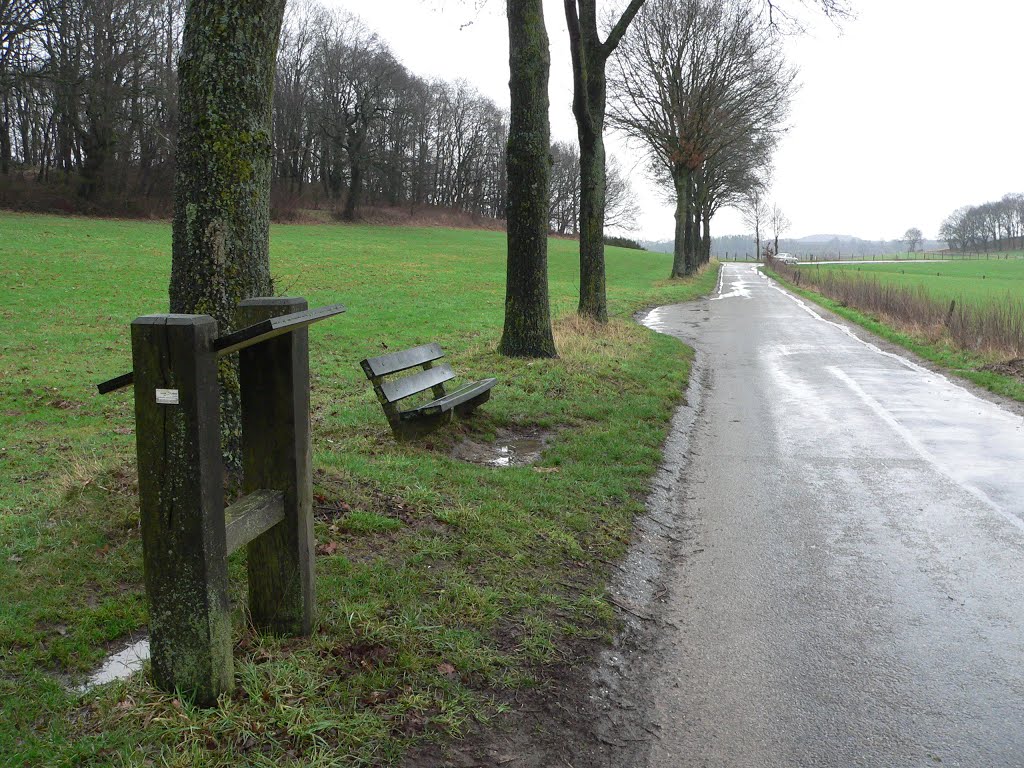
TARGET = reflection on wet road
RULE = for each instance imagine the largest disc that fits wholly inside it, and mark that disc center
(854, 588)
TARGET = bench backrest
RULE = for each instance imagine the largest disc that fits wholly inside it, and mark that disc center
(375, 367)
(389, 392)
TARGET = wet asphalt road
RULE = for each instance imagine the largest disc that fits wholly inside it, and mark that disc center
(852, 591)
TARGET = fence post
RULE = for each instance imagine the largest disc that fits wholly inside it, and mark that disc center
(181, 498)
(276, 454)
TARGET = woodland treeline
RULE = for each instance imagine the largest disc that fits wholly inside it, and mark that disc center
(995, 225)
(89, 102)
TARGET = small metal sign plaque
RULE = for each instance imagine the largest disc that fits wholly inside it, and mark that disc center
(167, 397)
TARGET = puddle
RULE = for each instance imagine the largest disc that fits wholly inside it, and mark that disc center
(511, 448)
(119, 666)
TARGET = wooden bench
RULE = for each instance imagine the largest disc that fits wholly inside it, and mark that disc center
(409, 422)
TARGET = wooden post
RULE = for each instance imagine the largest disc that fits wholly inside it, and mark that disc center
(181, 495)
(276, 454)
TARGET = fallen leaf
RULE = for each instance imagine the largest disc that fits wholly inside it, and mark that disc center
(446, 669)
(328, 549)
(546, 470)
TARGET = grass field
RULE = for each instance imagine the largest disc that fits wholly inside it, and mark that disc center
(973, 281)
(442, 586)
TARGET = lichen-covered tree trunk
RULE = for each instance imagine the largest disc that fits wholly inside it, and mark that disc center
(527, 331)
(221, 230)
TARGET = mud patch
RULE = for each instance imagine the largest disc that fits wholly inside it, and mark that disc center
(510, 448)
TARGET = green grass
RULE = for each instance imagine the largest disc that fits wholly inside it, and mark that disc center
(970, 281)
(962, 363)
(442, 586)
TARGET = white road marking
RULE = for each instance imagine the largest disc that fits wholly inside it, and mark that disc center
(910, 439)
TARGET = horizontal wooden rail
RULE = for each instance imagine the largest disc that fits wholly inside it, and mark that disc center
(251, 516)
(245, 337)
(275, 326)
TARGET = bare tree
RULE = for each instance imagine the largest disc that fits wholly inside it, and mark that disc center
(20, 20)
(727, 178)
(913, 237)
(780, 224)
(621, 209)
(695, 80)
(756, 215)
(565, 188)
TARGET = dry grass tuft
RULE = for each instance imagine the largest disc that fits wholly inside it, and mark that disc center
(994, 329)
(85, 471)
(580, 337)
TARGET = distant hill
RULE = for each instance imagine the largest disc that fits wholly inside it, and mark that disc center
(828, 239)
(658, 246)
(820, 246)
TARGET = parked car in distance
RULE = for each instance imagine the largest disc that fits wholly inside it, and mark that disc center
(787, 258)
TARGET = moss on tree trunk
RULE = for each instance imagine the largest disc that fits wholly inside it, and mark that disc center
(221, 229)
(527, 331)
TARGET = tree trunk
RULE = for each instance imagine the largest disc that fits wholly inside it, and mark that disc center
(690, 227)
(679, 258)
(354, 189)
(221, 229)
(527, 331)
(593, 284)
(5, 138)
(706, 242)
(588, 106)
(590, 88)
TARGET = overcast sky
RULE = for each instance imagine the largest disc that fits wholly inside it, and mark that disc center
(908, 112)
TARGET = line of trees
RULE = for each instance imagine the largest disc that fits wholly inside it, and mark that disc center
(89, 98)
(88, 91)
(990, 226)
(353, 126)
(702, 85)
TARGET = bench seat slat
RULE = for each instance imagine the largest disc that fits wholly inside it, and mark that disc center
(402, 388)
(453, 399)
(395, 362)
